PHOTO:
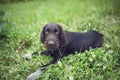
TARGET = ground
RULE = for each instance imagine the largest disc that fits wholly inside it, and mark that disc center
(23, 22)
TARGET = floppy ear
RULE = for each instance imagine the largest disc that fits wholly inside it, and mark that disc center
(63, 37)
(42, 35)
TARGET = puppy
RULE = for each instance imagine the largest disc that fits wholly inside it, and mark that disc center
(60, 43)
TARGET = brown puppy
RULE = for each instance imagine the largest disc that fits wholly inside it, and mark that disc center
(60, 43)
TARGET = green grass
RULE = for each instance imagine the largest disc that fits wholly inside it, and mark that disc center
(24, 22)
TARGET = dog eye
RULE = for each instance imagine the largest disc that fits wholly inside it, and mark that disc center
(47, 31)
(56, 31)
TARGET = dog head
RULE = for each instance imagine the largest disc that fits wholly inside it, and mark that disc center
(53, 36)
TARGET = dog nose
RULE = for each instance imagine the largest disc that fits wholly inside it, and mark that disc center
(51, 43)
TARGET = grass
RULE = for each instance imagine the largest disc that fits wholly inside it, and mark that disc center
(24, 21)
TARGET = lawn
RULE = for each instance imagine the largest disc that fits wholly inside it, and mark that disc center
(22, 22)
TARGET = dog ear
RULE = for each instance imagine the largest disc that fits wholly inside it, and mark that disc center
(42, 35)
(63, 37)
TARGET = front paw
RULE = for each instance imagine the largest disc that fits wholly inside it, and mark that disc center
(45, 53)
